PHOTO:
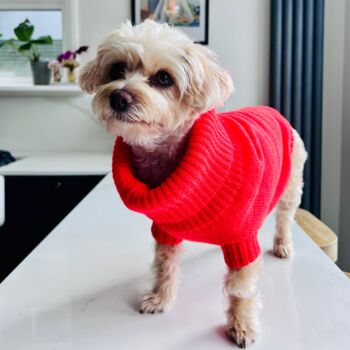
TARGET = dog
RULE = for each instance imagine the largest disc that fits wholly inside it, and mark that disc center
(156, 90)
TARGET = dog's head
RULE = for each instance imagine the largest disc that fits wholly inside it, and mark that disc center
(151, 79)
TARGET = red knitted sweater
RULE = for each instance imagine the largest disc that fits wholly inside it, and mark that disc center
(232, 174)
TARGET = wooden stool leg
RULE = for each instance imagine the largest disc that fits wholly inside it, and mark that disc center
(321, 234)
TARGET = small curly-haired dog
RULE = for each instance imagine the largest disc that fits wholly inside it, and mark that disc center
(156, 90)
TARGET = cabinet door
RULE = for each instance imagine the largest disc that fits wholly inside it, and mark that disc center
(34, 205)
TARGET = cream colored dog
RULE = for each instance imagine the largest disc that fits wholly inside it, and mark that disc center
(151, 83)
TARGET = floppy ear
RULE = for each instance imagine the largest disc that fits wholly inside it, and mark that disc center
(89, 77)
(209, 84)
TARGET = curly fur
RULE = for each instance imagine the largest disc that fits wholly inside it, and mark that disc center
(166, 276)
(159, 114)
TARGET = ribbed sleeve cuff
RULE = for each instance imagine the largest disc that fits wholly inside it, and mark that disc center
(241, 253)
(164, 238)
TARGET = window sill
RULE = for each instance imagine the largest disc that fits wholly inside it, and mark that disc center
(15, 90)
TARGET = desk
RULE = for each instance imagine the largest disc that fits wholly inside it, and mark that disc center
(79, 289)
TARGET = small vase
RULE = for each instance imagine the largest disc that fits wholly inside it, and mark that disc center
(41, 72)
(57, 75)
(71, 77)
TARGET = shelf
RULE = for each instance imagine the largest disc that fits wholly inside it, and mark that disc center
(13, 90)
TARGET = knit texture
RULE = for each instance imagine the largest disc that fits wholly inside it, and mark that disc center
(232, 174)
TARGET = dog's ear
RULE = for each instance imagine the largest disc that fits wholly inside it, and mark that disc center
(89, 77)
(209, 85)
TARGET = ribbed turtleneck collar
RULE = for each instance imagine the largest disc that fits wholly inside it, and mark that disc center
(193, 184)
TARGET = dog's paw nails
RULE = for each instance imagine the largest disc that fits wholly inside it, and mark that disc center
(153, 303)
(241, 337)
(283, 249)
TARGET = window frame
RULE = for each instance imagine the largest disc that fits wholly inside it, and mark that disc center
(70, 37)
(69, 10)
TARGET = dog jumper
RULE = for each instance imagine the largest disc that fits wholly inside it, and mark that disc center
(231, 176)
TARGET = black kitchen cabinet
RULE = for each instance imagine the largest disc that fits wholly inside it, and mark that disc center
(34, 205)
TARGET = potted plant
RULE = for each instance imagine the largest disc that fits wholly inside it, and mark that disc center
(29, 48)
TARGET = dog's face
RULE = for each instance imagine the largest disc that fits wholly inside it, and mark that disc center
(151, 79)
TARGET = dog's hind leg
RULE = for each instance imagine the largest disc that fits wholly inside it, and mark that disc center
(166, 277)
(290, 201)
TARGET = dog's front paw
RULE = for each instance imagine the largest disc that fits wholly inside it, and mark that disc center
(154, 303)
(283, 248)
(243, 326)
(243, 333)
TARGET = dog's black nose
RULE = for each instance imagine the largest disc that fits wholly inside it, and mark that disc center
(120, 100)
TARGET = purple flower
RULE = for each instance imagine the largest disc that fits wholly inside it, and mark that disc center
(71, 55)
(65, 56)
(81, 49)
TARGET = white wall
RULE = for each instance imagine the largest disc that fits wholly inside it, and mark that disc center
(344, 221)
(238, 32)
(334, 34)
(240, 35)
(336, 126)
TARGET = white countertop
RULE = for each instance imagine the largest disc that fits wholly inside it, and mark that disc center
(60, 163)
(79, 289)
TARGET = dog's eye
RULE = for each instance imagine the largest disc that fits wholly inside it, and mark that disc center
(117, 71)
(162, 79)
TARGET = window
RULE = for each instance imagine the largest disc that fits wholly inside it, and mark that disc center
(56, 18)
(12, 64)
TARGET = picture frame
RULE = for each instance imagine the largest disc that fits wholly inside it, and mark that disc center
(191, 16)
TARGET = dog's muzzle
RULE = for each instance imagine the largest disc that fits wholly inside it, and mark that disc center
(120, 100)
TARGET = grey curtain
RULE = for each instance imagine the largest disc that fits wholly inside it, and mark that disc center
(296, 76)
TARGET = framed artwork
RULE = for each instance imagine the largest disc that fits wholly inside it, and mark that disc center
(191, 16)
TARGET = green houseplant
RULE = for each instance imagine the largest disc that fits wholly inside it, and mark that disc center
(28, 47)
